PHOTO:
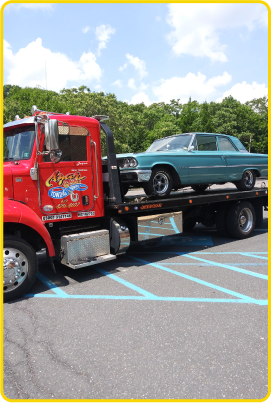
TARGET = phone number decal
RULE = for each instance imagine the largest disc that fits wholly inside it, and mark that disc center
(56, 217)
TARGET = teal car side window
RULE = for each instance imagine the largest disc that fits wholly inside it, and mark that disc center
(225, 144)
(206, 143)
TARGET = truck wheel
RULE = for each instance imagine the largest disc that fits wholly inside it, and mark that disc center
(247, 182)
(221, 222)
(20, 267)
(199, 188)
(241, 220)
(160, 183)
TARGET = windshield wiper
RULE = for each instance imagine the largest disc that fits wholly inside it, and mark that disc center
(10, 159)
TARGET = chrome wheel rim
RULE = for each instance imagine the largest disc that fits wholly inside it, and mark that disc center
(15, 268)
(160, 183)
(245, 220)
(248, 179)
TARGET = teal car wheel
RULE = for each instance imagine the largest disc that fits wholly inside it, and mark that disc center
(160, 183)
(247, 182)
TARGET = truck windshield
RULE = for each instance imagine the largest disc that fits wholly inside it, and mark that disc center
(18, 143)
(171, 143)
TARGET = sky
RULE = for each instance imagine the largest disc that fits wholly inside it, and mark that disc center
(152, 52)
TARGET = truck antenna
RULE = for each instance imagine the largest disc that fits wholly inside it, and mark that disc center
(46, 86)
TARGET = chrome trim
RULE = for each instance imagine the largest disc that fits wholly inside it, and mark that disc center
(143, 175)
(229, 166)
(97, 176)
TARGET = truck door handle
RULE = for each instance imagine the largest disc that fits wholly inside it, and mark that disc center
(97, 178)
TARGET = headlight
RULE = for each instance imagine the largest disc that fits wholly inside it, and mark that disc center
(129, 163)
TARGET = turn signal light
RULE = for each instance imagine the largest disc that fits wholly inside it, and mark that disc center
(126, 209)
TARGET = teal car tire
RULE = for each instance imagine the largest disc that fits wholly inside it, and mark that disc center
(247, 182)
(160, 183)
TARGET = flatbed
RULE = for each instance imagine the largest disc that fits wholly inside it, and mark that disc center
(137, 204)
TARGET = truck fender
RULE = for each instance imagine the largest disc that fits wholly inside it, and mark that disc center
(20, 213)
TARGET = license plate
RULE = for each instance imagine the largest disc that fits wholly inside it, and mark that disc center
(86, 214)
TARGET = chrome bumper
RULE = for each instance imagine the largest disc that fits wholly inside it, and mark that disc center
(142, 175)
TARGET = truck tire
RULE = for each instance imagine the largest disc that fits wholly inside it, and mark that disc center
(241, 220)
(160, 183)
(20, 267)
(221, 221)
(247, 182)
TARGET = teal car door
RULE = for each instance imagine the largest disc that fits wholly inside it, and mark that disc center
(206, 163)
(234, 158)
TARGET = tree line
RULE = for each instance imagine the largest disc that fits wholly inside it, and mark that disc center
(135, 127)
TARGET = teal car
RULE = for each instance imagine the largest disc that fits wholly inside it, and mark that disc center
(191, 159)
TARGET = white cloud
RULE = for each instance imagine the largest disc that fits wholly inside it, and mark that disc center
(196, 27)
(131, 84)
(244, 92)
(27, 67)
(139, 65)
(103, 33)
(141, 87)
(86, 29)
(196, 86)
(32, 6)
(139, 98)
(117, 83)
(123, 67)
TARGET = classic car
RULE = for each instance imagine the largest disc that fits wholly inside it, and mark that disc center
(191, 159)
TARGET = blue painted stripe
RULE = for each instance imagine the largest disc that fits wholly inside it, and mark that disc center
(225, 266)
(147, 226)
(177, 299)
(126, 283)
(165, 223)
(210, 253)
(50, 284)
(148, 233)
(207, 264)
(174, 225)
(202, 282)
(257, 257)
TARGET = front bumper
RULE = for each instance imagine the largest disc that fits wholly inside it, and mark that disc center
(135, 175)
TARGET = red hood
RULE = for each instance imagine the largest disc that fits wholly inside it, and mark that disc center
(8, 183)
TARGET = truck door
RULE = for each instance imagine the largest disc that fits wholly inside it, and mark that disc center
(68, 186)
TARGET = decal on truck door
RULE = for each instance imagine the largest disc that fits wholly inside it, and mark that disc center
(67, 184)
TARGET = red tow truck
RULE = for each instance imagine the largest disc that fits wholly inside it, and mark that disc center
(60, 195)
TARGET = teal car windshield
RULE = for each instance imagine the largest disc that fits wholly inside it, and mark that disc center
(171, 143)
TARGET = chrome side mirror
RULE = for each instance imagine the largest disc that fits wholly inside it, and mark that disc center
(55, 156)
(51, 135)
(191, 148)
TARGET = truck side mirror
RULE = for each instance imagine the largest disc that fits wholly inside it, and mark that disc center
(55, 156)
(51, 135)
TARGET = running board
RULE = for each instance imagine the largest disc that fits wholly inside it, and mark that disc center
(97, 260)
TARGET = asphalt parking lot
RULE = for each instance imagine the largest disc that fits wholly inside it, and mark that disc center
(186, 319)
